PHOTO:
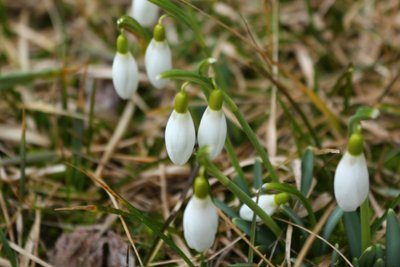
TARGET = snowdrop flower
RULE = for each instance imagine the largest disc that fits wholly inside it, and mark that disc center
(269, 203)
(200, 219)
(158, 57)
(351, 183)
(212, 129)
(145, 12)
(125, 72)
(180, 135)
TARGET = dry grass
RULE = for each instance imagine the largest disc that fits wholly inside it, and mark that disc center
(123, 142)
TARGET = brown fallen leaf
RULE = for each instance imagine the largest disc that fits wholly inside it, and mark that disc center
(90, 249)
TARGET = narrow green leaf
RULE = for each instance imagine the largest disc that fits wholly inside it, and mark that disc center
(225, 208)
(353, 232)
(7, 249)
(235, 161)
(10, 80)
(379, 263)
(22, 154)
(263, 236)
(257, 175)
(330, 225)
(378, 222)
(367, 259)
(241, 183)
(307, 170)
(335, 257)
(392, 240)
(293, 191)
(294, 217)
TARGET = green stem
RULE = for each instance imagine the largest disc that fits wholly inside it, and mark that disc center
(365, 227)
(234, 160)
(293, 191)
(242, 196)
(254, 140)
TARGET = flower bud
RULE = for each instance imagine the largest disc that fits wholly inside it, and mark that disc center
(145, 12)
(200, 223)
(158, 57)
(125, 71)
(212, 128)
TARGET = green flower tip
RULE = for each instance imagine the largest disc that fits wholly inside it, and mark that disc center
(159, 33)
(356, 144)
(216, 99)
(201, 187)
(281, 198)
(181, 102)
(122, 44)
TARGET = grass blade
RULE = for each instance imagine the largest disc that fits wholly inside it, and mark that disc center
(392, 240)
(257, 174)
(330, 225)
(10, 80)
(7, 249)
(307, 171)
(353, 232)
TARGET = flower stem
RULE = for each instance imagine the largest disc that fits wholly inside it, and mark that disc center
(254, 140)
(365, 227)
(242, 196)
(234, 160)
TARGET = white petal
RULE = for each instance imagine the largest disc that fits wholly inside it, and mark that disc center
(180, 137)
(200, 223)
(351, 182)
(157, 60)
(266, 202)
(125, 75)
(144, 12)
(212, 131)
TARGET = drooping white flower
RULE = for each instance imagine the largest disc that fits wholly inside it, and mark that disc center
(212, 128)
(351, 183)
(158, 57)
(212, 131)
(125, 71)
(180, 135)
(266, 202)
(145, 12)
(269, 203)
(200, 223)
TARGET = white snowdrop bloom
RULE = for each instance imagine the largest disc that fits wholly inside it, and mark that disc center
(212, 131)
(158, 57)
(351, 183)
(125, 71)
(145, 12)
(266, 202)
(200, 223)
(212, 128)
(180, 137)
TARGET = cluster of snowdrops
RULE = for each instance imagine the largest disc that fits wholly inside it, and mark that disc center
(200, 220)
